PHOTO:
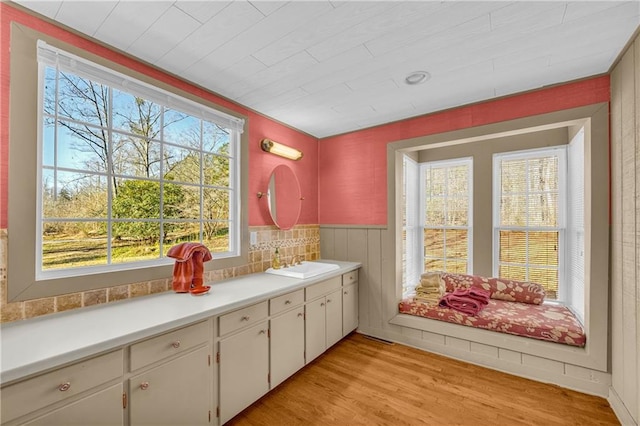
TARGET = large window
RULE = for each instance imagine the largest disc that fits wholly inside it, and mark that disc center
(446, 215)
(437, 218)
(529, 217)
(127, 170)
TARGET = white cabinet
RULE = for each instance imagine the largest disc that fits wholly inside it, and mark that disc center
(176, 392)
(286, 346)
(349, 308)
(103, 408)
(172, 377)
(323, 325)
(65, 395)
(243, 359)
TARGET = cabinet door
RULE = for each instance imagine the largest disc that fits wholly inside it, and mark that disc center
(349, 308)
(315, 329)
(175, 393)
(287, 345)
(244, 369)
(101, 408)
(334, 317)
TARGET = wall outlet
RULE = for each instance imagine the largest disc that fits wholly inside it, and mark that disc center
(253, 238)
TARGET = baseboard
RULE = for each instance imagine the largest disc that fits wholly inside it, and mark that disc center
(582, 380)
(618, 407)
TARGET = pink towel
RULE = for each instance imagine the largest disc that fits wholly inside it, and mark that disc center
(188, 271)
(468, 301)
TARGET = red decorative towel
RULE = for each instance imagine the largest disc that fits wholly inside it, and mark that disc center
(468, 301)
(188, 271)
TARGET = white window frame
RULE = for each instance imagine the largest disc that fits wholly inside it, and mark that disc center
(49, 56)
(561, 153)
(466, 161)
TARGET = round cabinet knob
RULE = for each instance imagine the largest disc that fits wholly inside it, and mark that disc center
(262, 332)
(144, 385)
(245, 318)
(287, 302)
(64, 387)
(300, 314)
(328, 300)
(346, 292)
(322, 304)
(176, 344)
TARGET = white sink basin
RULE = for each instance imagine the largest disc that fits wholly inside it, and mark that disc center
(304, 270)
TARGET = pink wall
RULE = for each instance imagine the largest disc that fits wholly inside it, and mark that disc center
(260, 163)
(352, 183)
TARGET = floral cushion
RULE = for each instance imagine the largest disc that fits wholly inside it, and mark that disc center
(553, 323)
(500, 288)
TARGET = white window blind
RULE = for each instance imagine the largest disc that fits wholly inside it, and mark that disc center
(411, 260)
(529, 217)
(575, 225)
(65, 61)
(446, 215)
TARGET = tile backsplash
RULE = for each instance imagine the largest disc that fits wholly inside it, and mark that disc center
(302, 240)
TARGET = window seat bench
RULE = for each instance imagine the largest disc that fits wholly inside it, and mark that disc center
(550, 322)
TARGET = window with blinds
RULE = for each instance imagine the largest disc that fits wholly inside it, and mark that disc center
(446, 215)
(529, 219)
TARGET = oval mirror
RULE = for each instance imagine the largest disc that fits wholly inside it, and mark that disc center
(283, 197)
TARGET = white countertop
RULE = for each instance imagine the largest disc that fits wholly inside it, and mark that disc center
(33, 346)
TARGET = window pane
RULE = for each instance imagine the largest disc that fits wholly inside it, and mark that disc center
(548, 278)
(182, 164)
(82, 147)
(456, 266)
(513, 272)
(216, 139)
(181, 201)
(217, 170)
(513, 247)
(136, 157)
(48, 142)
(75, 195)
(513, 176)
(216, 204)
(436, 182)
(82, 100)
(434, 243)
(543, 248)
(543, 209)
(457, 244)
(135, 115)
(135, 241)
(73, 244)
(458, 181)
(182, 129)
(513, 210)
(217, 236)
(434, 265)
(434, 211)
(180, 232)
(543, 174)
(137, 199)
(49, 95)
(457, 211)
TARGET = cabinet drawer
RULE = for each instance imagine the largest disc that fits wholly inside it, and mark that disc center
(350, 277)
(286, 301)
(32, 394)
(243, 317)
(167, 344)
(323, 288)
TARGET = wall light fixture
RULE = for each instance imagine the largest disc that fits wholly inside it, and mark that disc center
(277, 148)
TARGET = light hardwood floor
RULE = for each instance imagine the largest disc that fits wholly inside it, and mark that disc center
(363, 381)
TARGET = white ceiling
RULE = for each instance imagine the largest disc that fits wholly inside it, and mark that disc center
(329, 67)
